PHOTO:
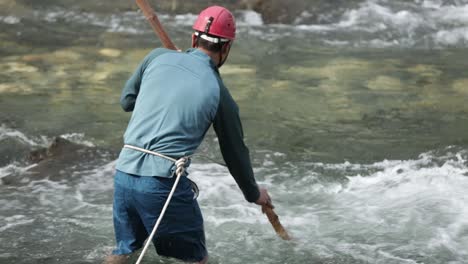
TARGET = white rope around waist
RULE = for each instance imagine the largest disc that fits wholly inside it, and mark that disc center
(180, 163)
(180, 169)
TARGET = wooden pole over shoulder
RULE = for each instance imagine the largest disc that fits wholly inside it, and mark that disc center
(155, 24)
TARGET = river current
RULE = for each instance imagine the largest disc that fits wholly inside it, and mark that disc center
(357, 126)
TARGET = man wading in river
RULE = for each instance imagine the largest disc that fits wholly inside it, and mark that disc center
(175, 97)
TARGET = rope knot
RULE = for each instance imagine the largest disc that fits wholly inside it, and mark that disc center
(180, 165)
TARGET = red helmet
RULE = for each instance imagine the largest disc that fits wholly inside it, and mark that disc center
(216, 21)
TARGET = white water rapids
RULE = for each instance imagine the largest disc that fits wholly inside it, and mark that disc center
(394, 211)
(356, 121)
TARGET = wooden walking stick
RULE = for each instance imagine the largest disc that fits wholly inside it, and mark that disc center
(275, 222)
(166, 41)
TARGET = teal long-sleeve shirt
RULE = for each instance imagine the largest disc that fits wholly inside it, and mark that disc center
(174, 98)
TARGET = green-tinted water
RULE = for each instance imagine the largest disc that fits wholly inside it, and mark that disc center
(307, 101)
(363, 149)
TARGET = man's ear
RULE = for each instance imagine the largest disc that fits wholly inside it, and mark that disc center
(194, 41)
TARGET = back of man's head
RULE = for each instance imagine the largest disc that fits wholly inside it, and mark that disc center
(214, 27)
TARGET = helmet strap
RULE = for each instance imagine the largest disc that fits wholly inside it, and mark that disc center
(221, 42)
(221, 61)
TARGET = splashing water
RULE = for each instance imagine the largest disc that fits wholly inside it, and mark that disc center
(336, 114)
(394, 211)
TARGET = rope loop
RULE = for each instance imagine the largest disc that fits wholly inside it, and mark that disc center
(180, 165)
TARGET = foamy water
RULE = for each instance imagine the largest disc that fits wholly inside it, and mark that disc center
(377, 23)
(390, 211)
(399, 211)
(393, 211)
(9, 133)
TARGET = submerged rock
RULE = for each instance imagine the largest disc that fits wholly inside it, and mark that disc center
(14, 67)
(65, 56)
(113, 53)
(425, 75)
(15, 88)
(237, 69)
(58, 161)
(461, 86)
(58, 147)
(281, 85)
(385, 83)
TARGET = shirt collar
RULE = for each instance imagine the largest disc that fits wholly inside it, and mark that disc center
(203, 56)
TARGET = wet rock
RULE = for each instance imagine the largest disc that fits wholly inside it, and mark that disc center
(59, 161)
(37, 155)
(59, 147)
(279, 11)
(300, 11)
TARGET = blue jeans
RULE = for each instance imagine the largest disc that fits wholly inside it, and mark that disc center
(138, 201)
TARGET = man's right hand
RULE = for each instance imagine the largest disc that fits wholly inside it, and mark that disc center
(264, 199)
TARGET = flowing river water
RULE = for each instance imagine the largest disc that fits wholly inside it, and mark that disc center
(357, 126)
